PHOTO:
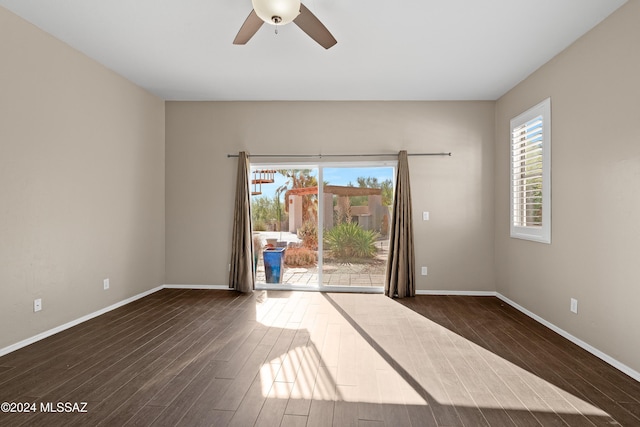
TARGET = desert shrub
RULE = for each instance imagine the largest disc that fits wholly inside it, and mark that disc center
(266, 212)
(348, 240)
(309, 235)
(259, 225)
(300, 257)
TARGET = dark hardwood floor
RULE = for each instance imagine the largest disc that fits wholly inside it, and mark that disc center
(218, 358)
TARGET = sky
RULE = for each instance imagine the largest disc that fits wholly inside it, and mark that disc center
(333, 176)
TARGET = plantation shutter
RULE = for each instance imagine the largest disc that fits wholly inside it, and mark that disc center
(527, 162)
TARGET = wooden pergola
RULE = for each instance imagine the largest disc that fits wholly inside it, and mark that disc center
(338, 190)
(343, 193)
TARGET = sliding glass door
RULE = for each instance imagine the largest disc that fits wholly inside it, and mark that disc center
(321, 226)
(358, 202)
(284, 214)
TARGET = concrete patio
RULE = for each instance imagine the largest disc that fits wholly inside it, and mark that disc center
(371, 274)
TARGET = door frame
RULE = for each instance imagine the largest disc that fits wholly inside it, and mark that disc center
(320, 166)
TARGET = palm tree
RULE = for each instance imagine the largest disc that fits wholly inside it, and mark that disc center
(300, 178)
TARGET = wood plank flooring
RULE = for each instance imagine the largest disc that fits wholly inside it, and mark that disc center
(279, 358)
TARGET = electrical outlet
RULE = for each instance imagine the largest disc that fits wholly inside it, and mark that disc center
(574, 306)
(37, 305)
(425, 216)
(105, 284)
(424, 271)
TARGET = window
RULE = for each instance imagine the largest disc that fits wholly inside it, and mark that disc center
(531, 174)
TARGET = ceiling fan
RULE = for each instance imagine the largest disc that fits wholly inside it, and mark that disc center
(281, 12)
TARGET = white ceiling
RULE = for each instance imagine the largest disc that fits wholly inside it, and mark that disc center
(402, 50)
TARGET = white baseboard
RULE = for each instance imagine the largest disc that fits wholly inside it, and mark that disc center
(458, 293)
(217, 287)
(45, 334)
(577, 341)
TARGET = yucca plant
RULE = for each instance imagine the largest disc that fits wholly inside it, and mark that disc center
(348, 240)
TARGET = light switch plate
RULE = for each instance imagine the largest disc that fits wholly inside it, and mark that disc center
(574, 306)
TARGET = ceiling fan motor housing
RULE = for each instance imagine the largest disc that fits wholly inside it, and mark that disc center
(277, 12)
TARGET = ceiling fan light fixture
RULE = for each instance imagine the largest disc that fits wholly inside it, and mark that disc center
(277, 12)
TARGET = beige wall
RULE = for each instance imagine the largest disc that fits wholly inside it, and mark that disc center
(594, 257)
(456, 244)
(81, 184)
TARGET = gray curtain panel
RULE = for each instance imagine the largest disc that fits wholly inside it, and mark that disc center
(241, 276)
(401, 279)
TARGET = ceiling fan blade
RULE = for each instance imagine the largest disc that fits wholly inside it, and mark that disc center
(251, 25)
(311, 25)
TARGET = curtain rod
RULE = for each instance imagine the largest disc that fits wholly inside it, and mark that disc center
(319, 156)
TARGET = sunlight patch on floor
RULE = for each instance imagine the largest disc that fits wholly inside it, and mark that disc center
(404, 366)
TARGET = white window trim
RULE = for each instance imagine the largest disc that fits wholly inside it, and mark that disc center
(537, 234)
